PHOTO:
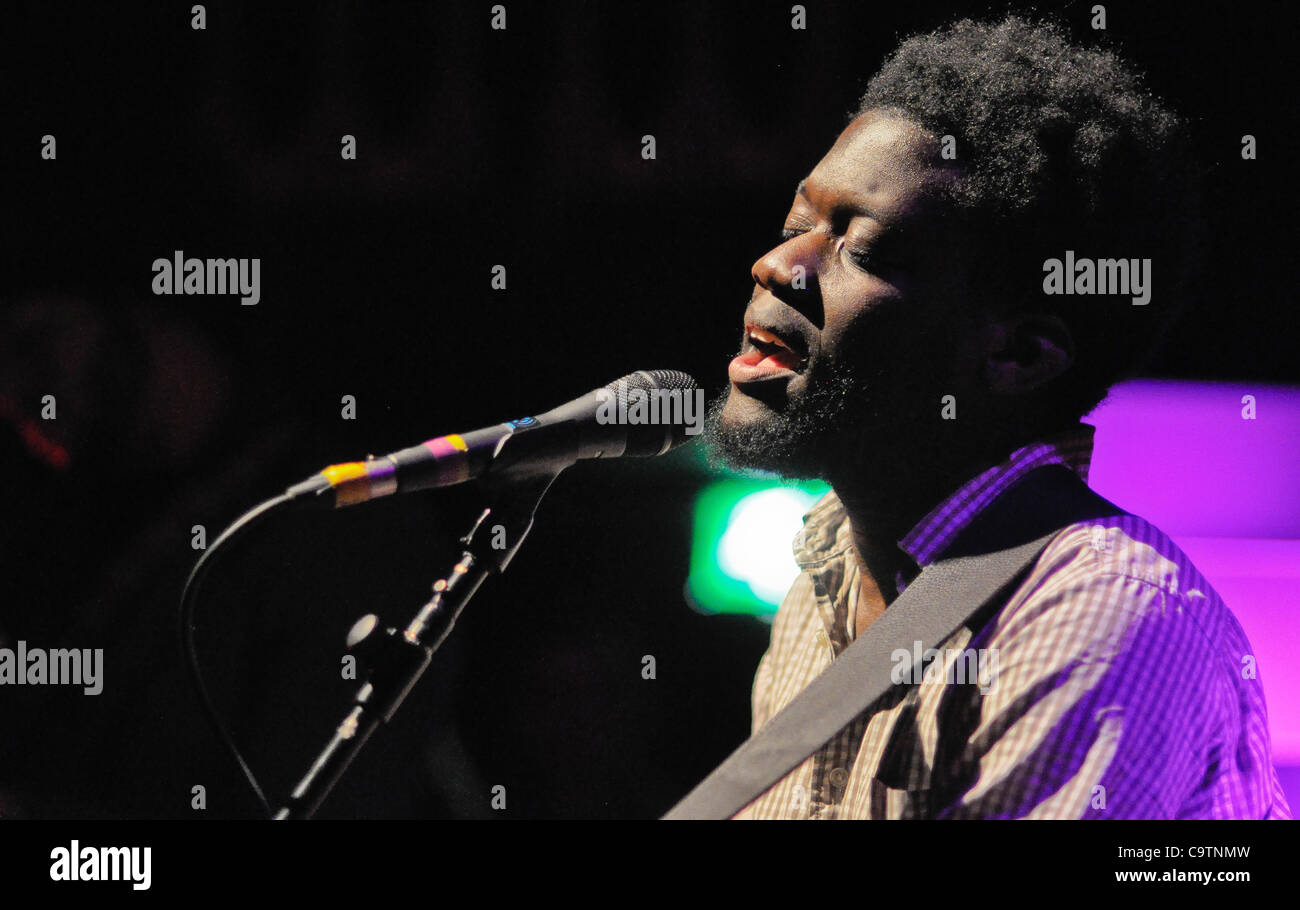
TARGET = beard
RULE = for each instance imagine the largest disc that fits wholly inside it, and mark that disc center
(876, 420)
(795, 437)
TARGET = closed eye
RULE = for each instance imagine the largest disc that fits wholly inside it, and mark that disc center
(870, 260)
(863, 259)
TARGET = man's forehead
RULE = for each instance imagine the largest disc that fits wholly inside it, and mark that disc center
(881, 165)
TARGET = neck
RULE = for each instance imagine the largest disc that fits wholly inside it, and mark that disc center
(882, 511)
(879, 518)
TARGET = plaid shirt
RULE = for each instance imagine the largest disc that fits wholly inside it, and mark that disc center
(1114, 683)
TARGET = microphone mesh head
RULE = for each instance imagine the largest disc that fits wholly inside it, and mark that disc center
(668, 401)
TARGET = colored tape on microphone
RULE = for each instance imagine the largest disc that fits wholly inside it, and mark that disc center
(360, 481)
(451, 454)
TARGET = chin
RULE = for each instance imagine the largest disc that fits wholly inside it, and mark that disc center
(744, 432)
(739, 408)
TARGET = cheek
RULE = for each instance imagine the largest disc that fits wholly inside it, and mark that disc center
(876, 314)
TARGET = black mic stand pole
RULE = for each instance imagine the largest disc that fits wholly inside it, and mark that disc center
(394, 660)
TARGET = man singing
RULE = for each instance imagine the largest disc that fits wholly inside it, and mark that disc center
(904, 343)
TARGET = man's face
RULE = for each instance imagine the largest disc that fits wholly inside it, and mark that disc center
(854, 330)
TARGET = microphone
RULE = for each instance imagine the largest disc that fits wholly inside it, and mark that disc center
(644, 413)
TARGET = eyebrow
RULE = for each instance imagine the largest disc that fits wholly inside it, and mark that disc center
(862, 208)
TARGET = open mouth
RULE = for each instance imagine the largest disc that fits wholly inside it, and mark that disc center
(764, 356)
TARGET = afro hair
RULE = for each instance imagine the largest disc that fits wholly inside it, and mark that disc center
(1058, 147)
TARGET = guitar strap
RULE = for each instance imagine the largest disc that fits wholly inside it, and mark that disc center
(995, 551)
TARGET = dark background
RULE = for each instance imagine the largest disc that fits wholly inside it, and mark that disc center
(475, 148)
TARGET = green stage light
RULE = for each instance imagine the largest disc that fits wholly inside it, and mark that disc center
(741, 561)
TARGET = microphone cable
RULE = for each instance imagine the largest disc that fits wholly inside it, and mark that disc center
(189, 600)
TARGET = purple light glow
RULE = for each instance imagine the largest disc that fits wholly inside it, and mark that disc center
(1227, 490)
(1180, 455)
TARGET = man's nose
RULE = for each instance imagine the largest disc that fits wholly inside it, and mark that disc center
(789, 267)
(789, 271)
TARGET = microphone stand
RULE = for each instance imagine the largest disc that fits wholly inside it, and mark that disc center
(394, 662)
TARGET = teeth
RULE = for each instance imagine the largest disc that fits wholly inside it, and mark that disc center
(759, 335)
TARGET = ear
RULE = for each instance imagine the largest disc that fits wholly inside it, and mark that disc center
(1024, 352)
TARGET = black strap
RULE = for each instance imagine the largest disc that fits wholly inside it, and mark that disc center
(1000, 545)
